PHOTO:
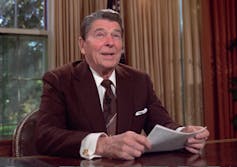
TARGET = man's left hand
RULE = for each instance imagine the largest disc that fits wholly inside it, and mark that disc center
(196, 143)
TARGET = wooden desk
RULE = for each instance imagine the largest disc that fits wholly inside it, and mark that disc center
(215, 154)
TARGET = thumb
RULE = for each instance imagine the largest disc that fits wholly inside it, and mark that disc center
(188, 129)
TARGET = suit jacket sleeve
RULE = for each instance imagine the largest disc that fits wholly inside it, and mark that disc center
(53, 137)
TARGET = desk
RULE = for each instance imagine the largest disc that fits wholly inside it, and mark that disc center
(215, 154)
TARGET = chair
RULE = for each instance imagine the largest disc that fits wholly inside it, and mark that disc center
(23, 143)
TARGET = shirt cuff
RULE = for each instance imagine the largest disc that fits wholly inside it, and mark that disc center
(88, 146)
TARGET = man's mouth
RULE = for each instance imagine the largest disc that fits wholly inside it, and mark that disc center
(107, 54)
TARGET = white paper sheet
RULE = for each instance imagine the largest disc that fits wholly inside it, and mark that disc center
(165, 139)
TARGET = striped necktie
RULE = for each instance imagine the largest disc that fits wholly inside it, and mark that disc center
(109, 105)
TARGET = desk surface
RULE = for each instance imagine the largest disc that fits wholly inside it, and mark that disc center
(215, 154)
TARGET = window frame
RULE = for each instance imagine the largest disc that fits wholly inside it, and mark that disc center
(46, 32)
(20, 31)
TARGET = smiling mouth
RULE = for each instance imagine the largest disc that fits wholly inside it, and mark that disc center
(107, 54)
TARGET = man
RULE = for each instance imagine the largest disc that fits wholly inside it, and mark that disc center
(75, 104)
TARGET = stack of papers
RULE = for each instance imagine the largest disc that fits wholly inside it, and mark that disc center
(165, 139)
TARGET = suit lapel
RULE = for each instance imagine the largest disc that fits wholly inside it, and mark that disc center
(89, 97)
(124, 93)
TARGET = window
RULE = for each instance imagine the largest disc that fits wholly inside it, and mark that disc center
(23, 53)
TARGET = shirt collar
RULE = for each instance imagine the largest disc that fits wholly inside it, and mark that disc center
(99, 79)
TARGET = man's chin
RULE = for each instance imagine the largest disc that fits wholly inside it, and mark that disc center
(108, 69)
(110, 65)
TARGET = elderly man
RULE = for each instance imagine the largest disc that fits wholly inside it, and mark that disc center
(98, 107)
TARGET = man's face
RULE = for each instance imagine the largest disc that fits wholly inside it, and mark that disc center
(103, 45)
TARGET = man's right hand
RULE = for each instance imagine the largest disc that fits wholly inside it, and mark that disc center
(128, 146)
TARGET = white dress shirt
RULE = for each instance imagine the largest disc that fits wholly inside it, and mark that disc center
(88, 144)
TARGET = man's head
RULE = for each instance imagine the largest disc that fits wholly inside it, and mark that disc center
(107, 14)
(101, 40)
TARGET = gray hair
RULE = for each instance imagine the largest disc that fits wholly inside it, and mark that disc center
(107, 14)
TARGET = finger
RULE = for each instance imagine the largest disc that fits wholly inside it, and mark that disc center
(143, 141)
(121, 152)
(197, 146)
(192, 147)
(187, 129)
(134, 146)
(140, 141)
(126, 150)
(125, 156)
(125, 146)
(192, 150)
(194, 140)
(203, 135)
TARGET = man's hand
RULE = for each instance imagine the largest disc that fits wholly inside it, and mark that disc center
(128, 146)
(196, 144)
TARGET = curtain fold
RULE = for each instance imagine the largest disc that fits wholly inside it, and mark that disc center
(193, 104)
(156, 42)
(219, 66)
(67, 17)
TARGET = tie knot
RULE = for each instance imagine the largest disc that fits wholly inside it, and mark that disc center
(106, 83)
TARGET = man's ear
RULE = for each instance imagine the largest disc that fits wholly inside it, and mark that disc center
(81, 43)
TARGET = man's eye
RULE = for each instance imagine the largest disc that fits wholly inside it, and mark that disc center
(100, 35)
(117, 36)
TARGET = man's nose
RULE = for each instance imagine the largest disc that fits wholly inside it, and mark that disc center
(109, 40)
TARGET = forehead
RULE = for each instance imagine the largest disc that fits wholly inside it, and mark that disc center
(105, 24)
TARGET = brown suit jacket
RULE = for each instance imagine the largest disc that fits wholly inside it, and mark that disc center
(70, 107)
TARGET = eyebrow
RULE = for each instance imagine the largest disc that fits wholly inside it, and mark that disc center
(102, 29)
(118, 30)
(99, 29)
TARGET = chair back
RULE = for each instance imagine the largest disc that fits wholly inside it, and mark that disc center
(23, 143)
